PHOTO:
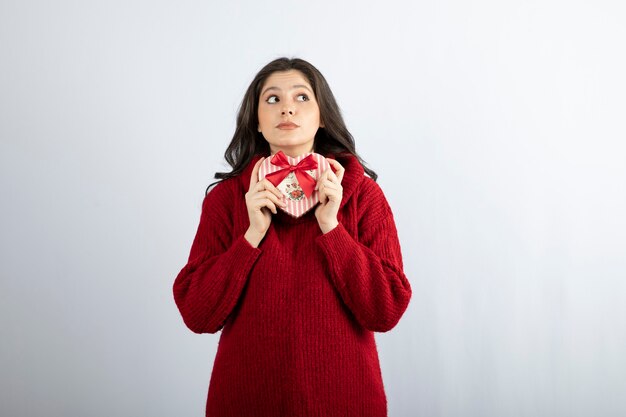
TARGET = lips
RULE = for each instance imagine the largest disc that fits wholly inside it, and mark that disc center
(287, 125)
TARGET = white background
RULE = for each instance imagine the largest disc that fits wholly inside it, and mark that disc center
(497, 129)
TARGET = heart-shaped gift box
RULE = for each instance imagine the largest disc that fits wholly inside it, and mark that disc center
(295, 178)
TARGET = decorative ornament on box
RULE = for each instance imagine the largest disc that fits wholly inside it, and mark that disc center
(295, 178)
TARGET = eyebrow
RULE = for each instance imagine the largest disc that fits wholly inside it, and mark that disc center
(292, 87)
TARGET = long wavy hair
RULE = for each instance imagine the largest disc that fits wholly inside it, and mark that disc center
(333, 138)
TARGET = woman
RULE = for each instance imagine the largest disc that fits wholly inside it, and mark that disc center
(297, 299)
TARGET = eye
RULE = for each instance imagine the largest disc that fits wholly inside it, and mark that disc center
(270, 99)
(305, 97)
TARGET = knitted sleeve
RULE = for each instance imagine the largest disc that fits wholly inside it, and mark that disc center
(209, 285)
(368, 271)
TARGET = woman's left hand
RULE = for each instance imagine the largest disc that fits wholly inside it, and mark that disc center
(330, 195)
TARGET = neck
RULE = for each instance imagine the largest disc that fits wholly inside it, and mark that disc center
(292, 152)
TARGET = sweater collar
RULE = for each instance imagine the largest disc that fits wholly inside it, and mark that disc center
(352, 177)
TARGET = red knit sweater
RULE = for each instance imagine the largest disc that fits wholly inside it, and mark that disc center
(297, 313)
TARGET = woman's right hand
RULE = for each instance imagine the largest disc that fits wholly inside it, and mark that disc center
(262, 200)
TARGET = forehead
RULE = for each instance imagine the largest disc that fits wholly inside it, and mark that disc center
(285, 80)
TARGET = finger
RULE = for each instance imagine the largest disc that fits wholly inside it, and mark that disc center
(271, 196)
(266, 185)
(322, 193)
(264, 202)
(332, 188)
(332, 182)
(272, 188)
(332, 178)
(254, 177)
(271, 206)
(321, 179)
(332, 185)
(333, 194)
(338, 167)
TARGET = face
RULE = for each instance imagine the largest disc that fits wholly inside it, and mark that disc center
(287, 97)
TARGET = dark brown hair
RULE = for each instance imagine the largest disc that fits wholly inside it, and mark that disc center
(333, 138)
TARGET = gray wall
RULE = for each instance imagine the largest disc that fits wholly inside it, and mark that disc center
(497, 129)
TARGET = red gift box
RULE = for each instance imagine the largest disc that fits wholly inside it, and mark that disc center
(295, 178)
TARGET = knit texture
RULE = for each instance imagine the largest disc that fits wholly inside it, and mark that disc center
(297, 314)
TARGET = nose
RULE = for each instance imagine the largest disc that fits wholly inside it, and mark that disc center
(287, 109)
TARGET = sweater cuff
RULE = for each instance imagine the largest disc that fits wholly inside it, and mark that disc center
(242, 249)
(338, 247)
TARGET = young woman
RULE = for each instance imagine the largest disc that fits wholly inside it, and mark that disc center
(297, 299)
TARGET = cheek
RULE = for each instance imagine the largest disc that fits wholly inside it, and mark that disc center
(317, 120)
(317, 114)
(262, 117)
(314, 116)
